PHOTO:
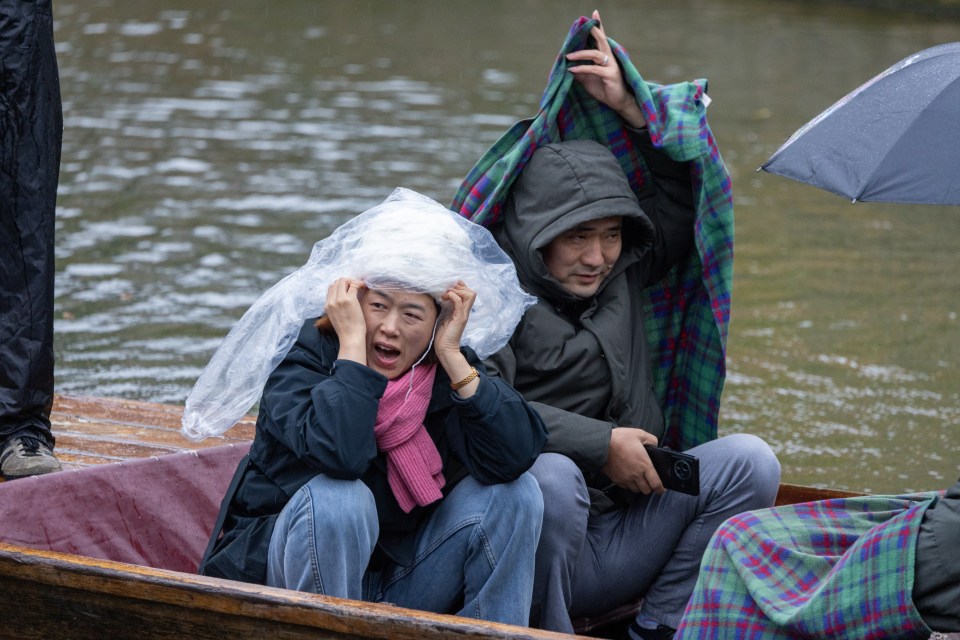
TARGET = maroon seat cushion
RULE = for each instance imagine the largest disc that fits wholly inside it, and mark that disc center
(156, 512)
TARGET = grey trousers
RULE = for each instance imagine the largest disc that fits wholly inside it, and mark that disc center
(936, 586)
(587, 565)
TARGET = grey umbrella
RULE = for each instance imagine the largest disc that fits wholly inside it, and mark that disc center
(896, 138)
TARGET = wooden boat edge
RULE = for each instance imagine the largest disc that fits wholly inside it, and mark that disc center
(797, 493)
(94, 431)
(160, 597)
(190, 604)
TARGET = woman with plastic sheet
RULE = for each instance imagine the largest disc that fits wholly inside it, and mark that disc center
(386, 465)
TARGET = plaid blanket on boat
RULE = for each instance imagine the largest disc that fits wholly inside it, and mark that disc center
(830, 569)
(687, 313)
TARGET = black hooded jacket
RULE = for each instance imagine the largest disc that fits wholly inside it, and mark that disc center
(584, 364)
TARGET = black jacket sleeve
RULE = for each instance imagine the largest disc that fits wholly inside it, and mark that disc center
(936, 587)
(495, 433)
(584, 440)
(670, 205)
(323, 410)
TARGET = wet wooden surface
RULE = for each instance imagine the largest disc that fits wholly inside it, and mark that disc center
(102, 430)
(796, 493)
(102, 599)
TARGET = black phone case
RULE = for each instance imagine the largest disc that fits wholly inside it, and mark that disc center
(678, 471)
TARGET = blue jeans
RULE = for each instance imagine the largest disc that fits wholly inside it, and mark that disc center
(474, 551)
(589, 564)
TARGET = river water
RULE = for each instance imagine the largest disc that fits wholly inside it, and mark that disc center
(209, 144)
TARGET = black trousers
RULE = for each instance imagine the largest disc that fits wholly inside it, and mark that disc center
(936, 586)
(31, 135)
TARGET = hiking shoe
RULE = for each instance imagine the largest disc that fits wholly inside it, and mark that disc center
(26, 455)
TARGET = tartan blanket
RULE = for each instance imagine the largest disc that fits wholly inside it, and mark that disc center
(838, 568)
(689, 311)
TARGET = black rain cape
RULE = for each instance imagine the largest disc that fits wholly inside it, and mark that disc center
(31, 134)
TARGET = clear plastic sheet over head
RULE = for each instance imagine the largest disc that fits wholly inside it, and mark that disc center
(409, 240)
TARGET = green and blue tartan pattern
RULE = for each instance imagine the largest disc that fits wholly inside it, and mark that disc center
(689, 311)
(838, 568)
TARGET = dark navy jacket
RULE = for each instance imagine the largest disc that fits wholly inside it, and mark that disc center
(317, 416)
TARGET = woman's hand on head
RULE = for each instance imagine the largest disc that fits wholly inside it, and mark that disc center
(456, 304)
(604, 80)
(346, 316)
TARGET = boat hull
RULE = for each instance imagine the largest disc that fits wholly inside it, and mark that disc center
(48, 594)
(110, 550)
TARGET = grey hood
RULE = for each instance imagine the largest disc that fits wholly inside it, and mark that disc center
(563, 185)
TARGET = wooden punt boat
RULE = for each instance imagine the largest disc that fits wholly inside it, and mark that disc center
(108, 548)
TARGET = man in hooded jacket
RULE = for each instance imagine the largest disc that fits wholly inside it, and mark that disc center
(31, 131)
(586, 245)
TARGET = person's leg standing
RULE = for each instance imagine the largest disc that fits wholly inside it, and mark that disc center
(323, 539)
(31, 134)
(654, 547)
(477, 547)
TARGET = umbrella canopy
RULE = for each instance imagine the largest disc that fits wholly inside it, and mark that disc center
(893, 139)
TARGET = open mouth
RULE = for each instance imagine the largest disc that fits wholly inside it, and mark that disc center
(386, 354)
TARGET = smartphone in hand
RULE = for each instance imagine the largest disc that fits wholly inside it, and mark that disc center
(678, 471)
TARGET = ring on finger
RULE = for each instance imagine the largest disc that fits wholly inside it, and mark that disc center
(603, 62)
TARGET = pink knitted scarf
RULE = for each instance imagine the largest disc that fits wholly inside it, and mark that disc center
(413, 463)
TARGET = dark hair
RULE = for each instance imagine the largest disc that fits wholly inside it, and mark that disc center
(324, 325)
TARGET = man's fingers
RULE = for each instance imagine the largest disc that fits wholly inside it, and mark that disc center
(653, 481)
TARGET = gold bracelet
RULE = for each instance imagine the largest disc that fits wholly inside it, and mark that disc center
(470, 377)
